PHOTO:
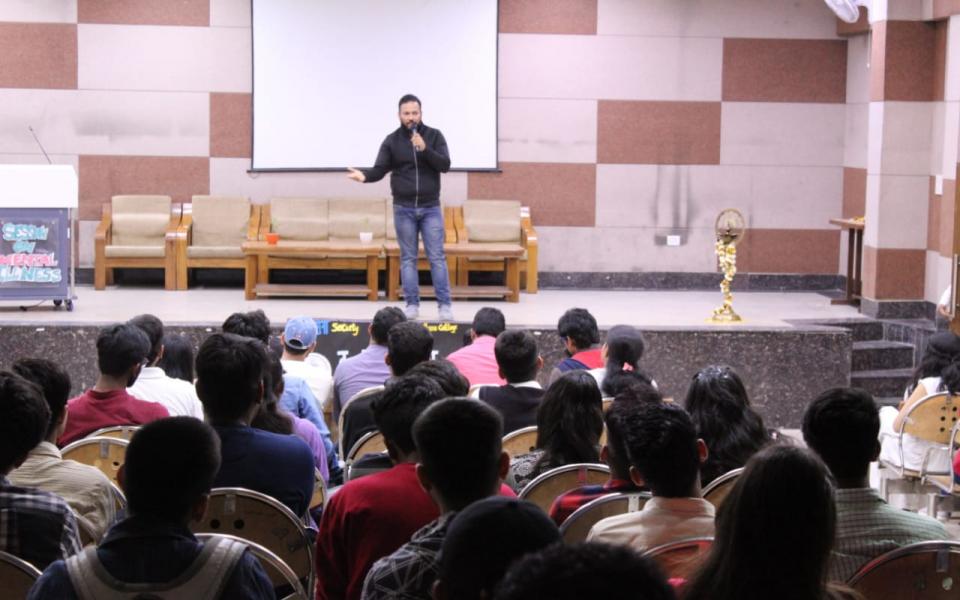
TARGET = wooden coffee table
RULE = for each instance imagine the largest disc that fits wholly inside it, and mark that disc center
(307, 255)
(510, 253)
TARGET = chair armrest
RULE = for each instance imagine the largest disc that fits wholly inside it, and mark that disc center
(104, 231)
(185, 229)
(528, 235)
(259, 222)
(461, 228)
(449, 225)
(173, 227)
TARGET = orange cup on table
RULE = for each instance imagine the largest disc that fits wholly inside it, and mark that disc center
(273, 238)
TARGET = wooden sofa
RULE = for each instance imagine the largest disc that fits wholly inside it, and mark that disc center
(136, 231)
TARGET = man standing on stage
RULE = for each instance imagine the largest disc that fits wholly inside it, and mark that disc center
(415, 155)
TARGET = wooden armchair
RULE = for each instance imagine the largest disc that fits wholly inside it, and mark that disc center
(136, 232)
(496, 221)
(211, 232)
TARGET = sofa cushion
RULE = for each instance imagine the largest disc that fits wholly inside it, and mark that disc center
(302, 219)
(139, 220)
(492, 220)
(220, 220)
(350, 216)
(115, 251)
(214, 252)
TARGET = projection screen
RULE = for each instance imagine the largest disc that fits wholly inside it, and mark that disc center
(327, 75)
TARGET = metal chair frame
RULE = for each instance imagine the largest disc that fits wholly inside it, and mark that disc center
(583, 469)
(343, 410)
(633, 502)
(939, 551)
(264, 555)
(18, 566)
(720, 486)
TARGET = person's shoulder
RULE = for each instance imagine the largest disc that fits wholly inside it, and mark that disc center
(53, 583)
(920, 526)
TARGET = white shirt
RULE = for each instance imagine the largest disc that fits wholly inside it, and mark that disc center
(661, 520)
(176, 395)
(316, 371)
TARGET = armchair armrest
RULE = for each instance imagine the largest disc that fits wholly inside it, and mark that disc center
(173, 227)
(185, 229)
(459, 225)
(104, 229)
(528, 235)
(260, 222)
(449, 226)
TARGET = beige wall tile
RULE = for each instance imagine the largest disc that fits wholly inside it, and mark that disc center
(39, 11)
(782, 134)
(543, 130)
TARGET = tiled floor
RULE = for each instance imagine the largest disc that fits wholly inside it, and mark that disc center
(641, 308)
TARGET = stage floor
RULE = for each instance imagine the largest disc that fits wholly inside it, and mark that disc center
(687, 309)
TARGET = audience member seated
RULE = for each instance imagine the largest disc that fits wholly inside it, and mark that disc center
(271, 418)
(519, 362)
(297, 399)
(408, 344)
(774, 533)
(121, 352)
(370, 517)
(578, 330)
(483, 541)
(299, 340)
(170, 466)
(37, 526)
(477, 361)
(154, 385)
(230, 373)
(621, 353)
(581, 571)
(613, 453)
(939, 371)
(177, 358)
(461, 461)
(718, 404)
(369, 368)
(569, 425)
(665, 456)
(841, 425)
(86, 489)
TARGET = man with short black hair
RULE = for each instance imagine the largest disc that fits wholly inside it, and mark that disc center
(390, 505)
(169, 470)
(230, 375)
(177, 396)
(36, 526)
(369, 368)
(665, 457)
(518, 361)
(253, 324)
(578, 330)
(299, 341)
(477, 360)
(122, 351)
(461, 461)
(842, 426)
(85, 488)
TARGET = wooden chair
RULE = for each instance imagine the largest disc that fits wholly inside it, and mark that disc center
(681, 559)
(136, 232)
(718, 489)
(392, 251)
(578, 524)
(496, 221)
(544, 489)
(927, 570)
(17, 576)
(279, 572)
(211, 232)
(263, 520)
(520, 441)
(105, 453)
(124, 432)
(364, 393)
(371, 442)
(945, 483)
(319, 497)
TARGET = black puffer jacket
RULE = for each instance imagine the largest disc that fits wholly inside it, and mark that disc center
(414, 176)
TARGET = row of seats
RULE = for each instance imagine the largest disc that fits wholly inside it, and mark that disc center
(144, 231)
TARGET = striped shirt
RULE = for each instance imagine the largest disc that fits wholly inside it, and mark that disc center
(36, 526)
(867, 527)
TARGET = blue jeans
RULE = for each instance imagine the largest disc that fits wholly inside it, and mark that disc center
(428, 223)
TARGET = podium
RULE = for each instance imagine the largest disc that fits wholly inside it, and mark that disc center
(37, 215)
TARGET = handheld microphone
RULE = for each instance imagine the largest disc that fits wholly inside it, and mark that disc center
(412, 129)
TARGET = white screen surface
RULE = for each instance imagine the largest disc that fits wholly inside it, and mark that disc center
(327, 75)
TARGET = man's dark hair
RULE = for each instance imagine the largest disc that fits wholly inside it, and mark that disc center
(489, 321)
(661, 443)
(408, 343)
(403, 400)
(170, 463)
(153, 327)
(120, 348)
(52, 380)
(177, 359)
(445, 373)
(383, 321)
(459, 444)
(842, 426)
(230, 369)
(517, 354)
(24, 418)
(253, 324)
(580, 326)
(408, 98)
(588, 570)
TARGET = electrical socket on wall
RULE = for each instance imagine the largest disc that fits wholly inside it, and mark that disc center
(673, 240)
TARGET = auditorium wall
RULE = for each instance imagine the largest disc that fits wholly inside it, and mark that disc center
(623, 124)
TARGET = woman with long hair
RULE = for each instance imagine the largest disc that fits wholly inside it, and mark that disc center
(177, 358)
(774, 533)
(621, 353)
(569, 425)
(720, 409)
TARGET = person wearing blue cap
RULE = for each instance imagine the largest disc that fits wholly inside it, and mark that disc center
(299, 359)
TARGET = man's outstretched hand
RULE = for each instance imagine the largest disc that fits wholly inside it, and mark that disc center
(356, 174)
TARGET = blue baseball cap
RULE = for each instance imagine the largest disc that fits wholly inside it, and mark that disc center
(300, 333)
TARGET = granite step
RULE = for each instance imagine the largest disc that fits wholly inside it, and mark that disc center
(875, 355)
(864, 330)
(885, 383)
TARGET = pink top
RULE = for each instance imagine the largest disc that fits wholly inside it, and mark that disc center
(92, 410)
(477, 362)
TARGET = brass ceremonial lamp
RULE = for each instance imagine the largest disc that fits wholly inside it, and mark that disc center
(730, 231)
